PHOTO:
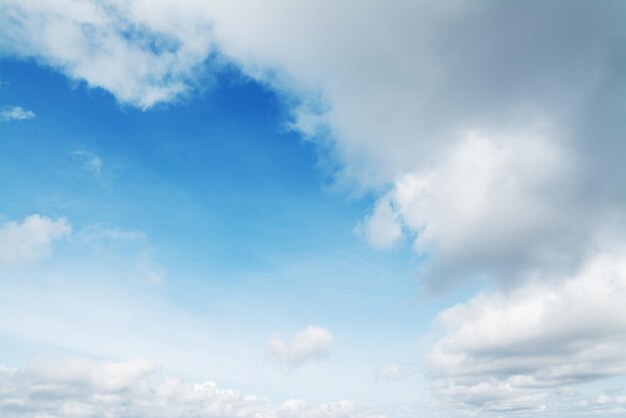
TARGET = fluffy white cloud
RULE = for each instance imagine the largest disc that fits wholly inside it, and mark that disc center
(312, 344)
(15, 113)
(31, 239)
(142, 53)
(505, 350)
(86, 389)
(494, 205)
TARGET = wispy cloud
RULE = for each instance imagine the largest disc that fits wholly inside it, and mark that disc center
(91, 162)
(15, 113)
(101, 232)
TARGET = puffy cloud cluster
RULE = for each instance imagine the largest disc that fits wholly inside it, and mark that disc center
(84, 388)
(312, 344)
(504, 350)
(31, 239)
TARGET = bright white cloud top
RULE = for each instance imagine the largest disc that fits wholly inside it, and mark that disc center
(490, 134)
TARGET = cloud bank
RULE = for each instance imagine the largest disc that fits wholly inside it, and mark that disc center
(504, 350)
(88, 389)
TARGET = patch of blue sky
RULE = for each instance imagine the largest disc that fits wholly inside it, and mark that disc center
(236, 220)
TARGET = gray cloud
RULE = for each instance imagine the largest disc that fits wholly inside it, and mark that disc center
(394, 97)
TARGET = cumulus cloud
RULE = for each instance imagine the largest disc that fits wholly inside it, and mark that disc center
(505, 350)
(84, 388)
(493, 205)
(312, 344)
(31, 239)
(15, 113)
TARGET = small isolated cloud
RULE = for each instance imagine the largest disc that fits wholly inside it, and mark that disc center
(31, 239)
(91, 162)
(88, 389)
(15, 113)
(392, 373)
(312, 344)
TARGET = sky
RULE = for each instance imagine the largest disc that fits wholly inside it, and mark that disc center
(312, 209)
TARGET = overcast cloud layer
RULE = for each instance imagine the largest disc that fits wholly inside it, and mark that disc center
(492, 133)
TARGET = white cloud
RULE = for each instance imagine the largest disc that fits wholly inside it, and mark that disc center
(31, 239)
(493, 205)
(142, 53)
(492, 131)
(312, 344)
(91, 162)
(84, 388)
(15, 113)
(505, 350)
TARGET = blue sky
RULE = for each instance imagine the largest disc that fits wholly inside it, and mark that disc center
(319, 210)
(233, 212)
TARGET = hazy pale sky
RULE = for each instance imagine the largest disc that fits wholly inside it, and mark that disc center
(312, 209)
